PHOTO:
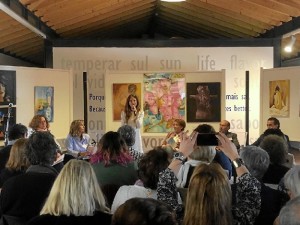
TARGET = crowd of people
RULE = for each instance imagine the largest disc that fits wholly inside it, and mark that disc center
(198, 177)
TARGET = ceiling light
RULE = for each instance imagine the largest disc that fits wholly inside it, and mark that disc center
(289, 46)
(172, 0)
(21, 20)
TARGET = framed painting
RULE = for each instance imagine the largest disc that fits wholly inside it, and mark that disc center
(204, 102)
(7, 87)
(279, 95)
(44, 101)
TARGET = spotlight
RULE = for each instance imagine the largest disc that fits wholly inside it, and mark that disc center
(289, 46)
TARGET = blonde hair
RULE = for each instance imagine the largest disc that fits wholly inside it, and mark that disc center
(203, 153)
(17, 159)
(75, 192)
(74, 128)
(209, 197)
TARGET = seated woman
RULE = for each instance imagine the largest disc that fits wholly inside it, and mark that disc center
(209, 195)
(17, 162)
(75, 198)
(150, 165)
(144, 211)
(77, 141)
(172, 140)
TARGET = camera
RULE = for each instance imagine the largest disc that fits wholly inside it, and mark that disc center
(207, 139)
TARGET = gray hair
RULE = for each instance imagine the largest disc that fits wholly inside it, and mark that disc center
(203, 153)
(128, 134)
(289, 214)
(256, 159)
(292, 180)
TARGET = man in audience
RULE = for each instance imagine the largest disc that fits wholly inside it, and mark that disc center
(272, 123)
(15, 132)
(224, 128)
(289, 214)
(23, 196)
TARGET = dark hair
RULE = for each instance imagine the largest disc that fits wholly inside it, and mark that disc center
(150, 165)
(276, 147)
(144, 211)
(275, 120)
(41, 148)
(17, 131)
(277, 132)
(128, 134)
(205, 128)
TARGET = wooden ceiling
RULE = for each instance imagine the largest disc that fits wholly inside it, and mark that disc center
(144, 19)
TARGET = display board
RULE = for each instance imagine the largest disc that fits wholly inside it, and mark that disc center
(61, 84)
(280, 99)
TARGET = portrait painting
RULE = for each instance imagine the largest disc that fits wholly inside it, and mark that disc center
(164, 101)
(7, 117)
(7, 87)
(204, 102)
(120, 93)
(44, 101)
(279, 95)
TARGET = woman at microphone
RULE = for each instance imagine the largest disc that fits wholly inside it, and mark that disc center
(132, 115)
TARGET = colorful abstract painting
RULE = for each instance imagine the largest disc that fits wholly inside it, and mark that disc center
(44, 102)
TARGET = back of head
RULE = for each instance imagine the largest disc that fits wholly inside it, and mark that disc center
(128, 134)
(17, 131)
(292, 181)
(203, 153)
(144, 211)
(150, 165)
(276, 147)
(17, 159)
(75, 191)
(277, 132)
(256, 159)
(205, 129)
(41, 148)
(289, 214)
(209, 197)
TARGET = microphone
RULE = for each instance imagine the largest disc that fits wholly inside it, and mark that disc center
(10, 105)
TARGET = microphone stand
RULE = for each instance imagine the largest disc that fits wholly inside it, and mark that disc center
(10, 105)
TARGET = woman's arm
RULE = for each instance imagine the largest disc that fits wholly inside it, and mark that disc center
(123, 118)
(139, 119)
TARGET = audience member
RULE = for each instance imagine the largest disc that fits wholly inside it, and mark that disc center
(220, 157)
(289, 214)
(133, 115)
(144, 211)
(224, 128)
(272, 123)
(209, 195)
(17, 162)
(172, 140)
(75, 198)
(23, 196)
(257, 162)
(277, 149)
(150, 165)
(77, 141)
(15, 132)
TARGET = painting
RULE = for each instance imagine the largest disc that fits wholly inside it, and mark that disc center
(44, 101)
(164, 101)
(279, 95)
(7, 117)
(120, 94)
(7, 87)
(204, 102)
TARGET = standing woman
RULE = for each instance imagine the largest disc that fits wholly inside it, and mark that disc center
(77, 140)
(133, 116)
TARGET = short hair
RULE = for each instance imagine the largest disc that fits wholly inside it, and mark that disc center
(289, 214)
(17, 131)
(256, 159)
(74, 127)
(41, 148)
(277, 132)
(276, 147)
(17, 160)
(150, 165)
(205, 129)
(128, 134)
(181, 123)
(35, 121)
(75, 192)
(203, 153)
(275, 120)
(209, 196)
(146, 211)
(292, 180)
